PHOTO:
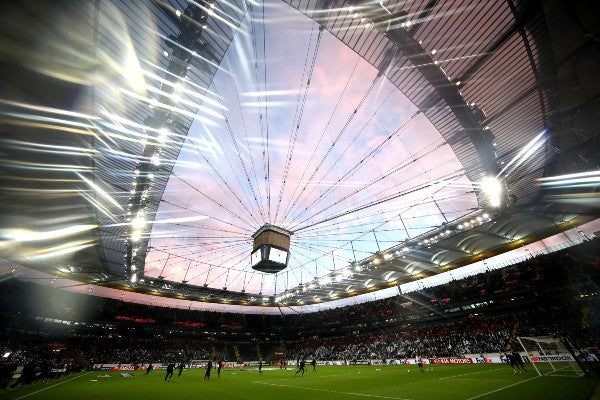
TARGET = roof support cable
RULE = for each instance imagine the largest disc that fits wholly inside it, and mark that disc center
(265, 127)
(374, 181)
(368, 205)
(219, 204)
(296, 196)
(362, 162)
(335, 141)
(368, 231)
(224, 183)
(257, 81)
(300, 104)
(247, 143)
(238, 151)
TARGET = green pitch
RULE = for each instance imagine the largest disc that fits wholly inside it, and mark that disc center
(448, 382)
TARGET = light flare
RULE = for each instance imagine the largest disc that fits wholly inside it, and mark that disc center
(27, 235)
(525, 153)
(100, 191)
(58, 251)
(581, 179)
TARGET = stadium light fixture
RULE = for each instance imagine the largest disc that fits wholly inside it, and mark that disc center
(163, 134)
(492, 188)
(138, 222)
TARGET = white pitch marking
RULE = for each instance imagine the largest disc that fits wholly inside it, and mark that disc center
(335, 391)
(470, 373)
(487, 380)
(312, 377)
(51, 386)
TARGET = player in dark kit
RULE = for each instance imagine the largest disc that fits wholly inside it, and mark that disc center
(170, 369)
(510, 360)
(149, 369)
(219, 366)
(314, 364)
(420, 364)
(301, 367)
(180, 367)
(208, 368)
(518, 362)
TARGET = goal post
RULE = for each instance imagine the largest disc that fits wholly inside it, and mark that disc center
(550, 356)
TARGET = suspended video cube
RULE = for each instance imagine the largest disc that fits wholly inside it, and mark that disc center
(270, 252)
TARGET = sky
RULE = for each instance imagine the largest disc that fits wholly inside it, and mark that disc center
(345, 162)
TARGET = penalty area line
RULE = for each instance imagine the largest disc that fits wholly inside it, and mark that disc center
(501, 388)
(333, 391)
(312, 377)
(471, 373)
(51, 386)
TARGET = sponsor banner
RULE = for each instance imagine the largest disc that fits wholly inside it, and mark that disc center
(450, 360)
(134, 367)
(360, 362)
(483, 360)
(495, 358)
(225, 365)
(412, 361)
(552, 358)
(125, 367)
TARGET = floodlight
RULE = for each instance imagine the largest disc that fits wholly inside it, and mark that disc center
(324, 281)
(163, 134)
(136, 235)
(138, 222)
(491, 187)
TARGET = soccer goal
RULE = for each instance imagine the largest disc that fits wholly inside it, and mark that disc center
(551, 356)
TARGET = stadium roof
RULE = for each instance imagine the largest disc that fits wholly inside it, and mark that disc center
(143, 146)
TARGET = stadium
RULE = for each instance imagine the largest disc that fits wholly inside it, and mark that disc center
(332, 199)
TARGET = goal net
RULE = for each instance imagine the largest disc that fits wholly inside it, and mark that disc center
(550, 356)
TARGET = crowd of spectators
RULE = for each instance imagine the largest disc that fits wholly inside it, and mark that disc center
(555, 294)
(35, 359)
(467, 336)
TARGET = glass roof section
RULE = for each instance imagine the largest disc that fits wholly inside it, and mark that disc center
(147, 143)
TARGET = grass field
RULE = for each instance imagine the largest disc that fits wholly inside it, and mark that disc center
(448, 382)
